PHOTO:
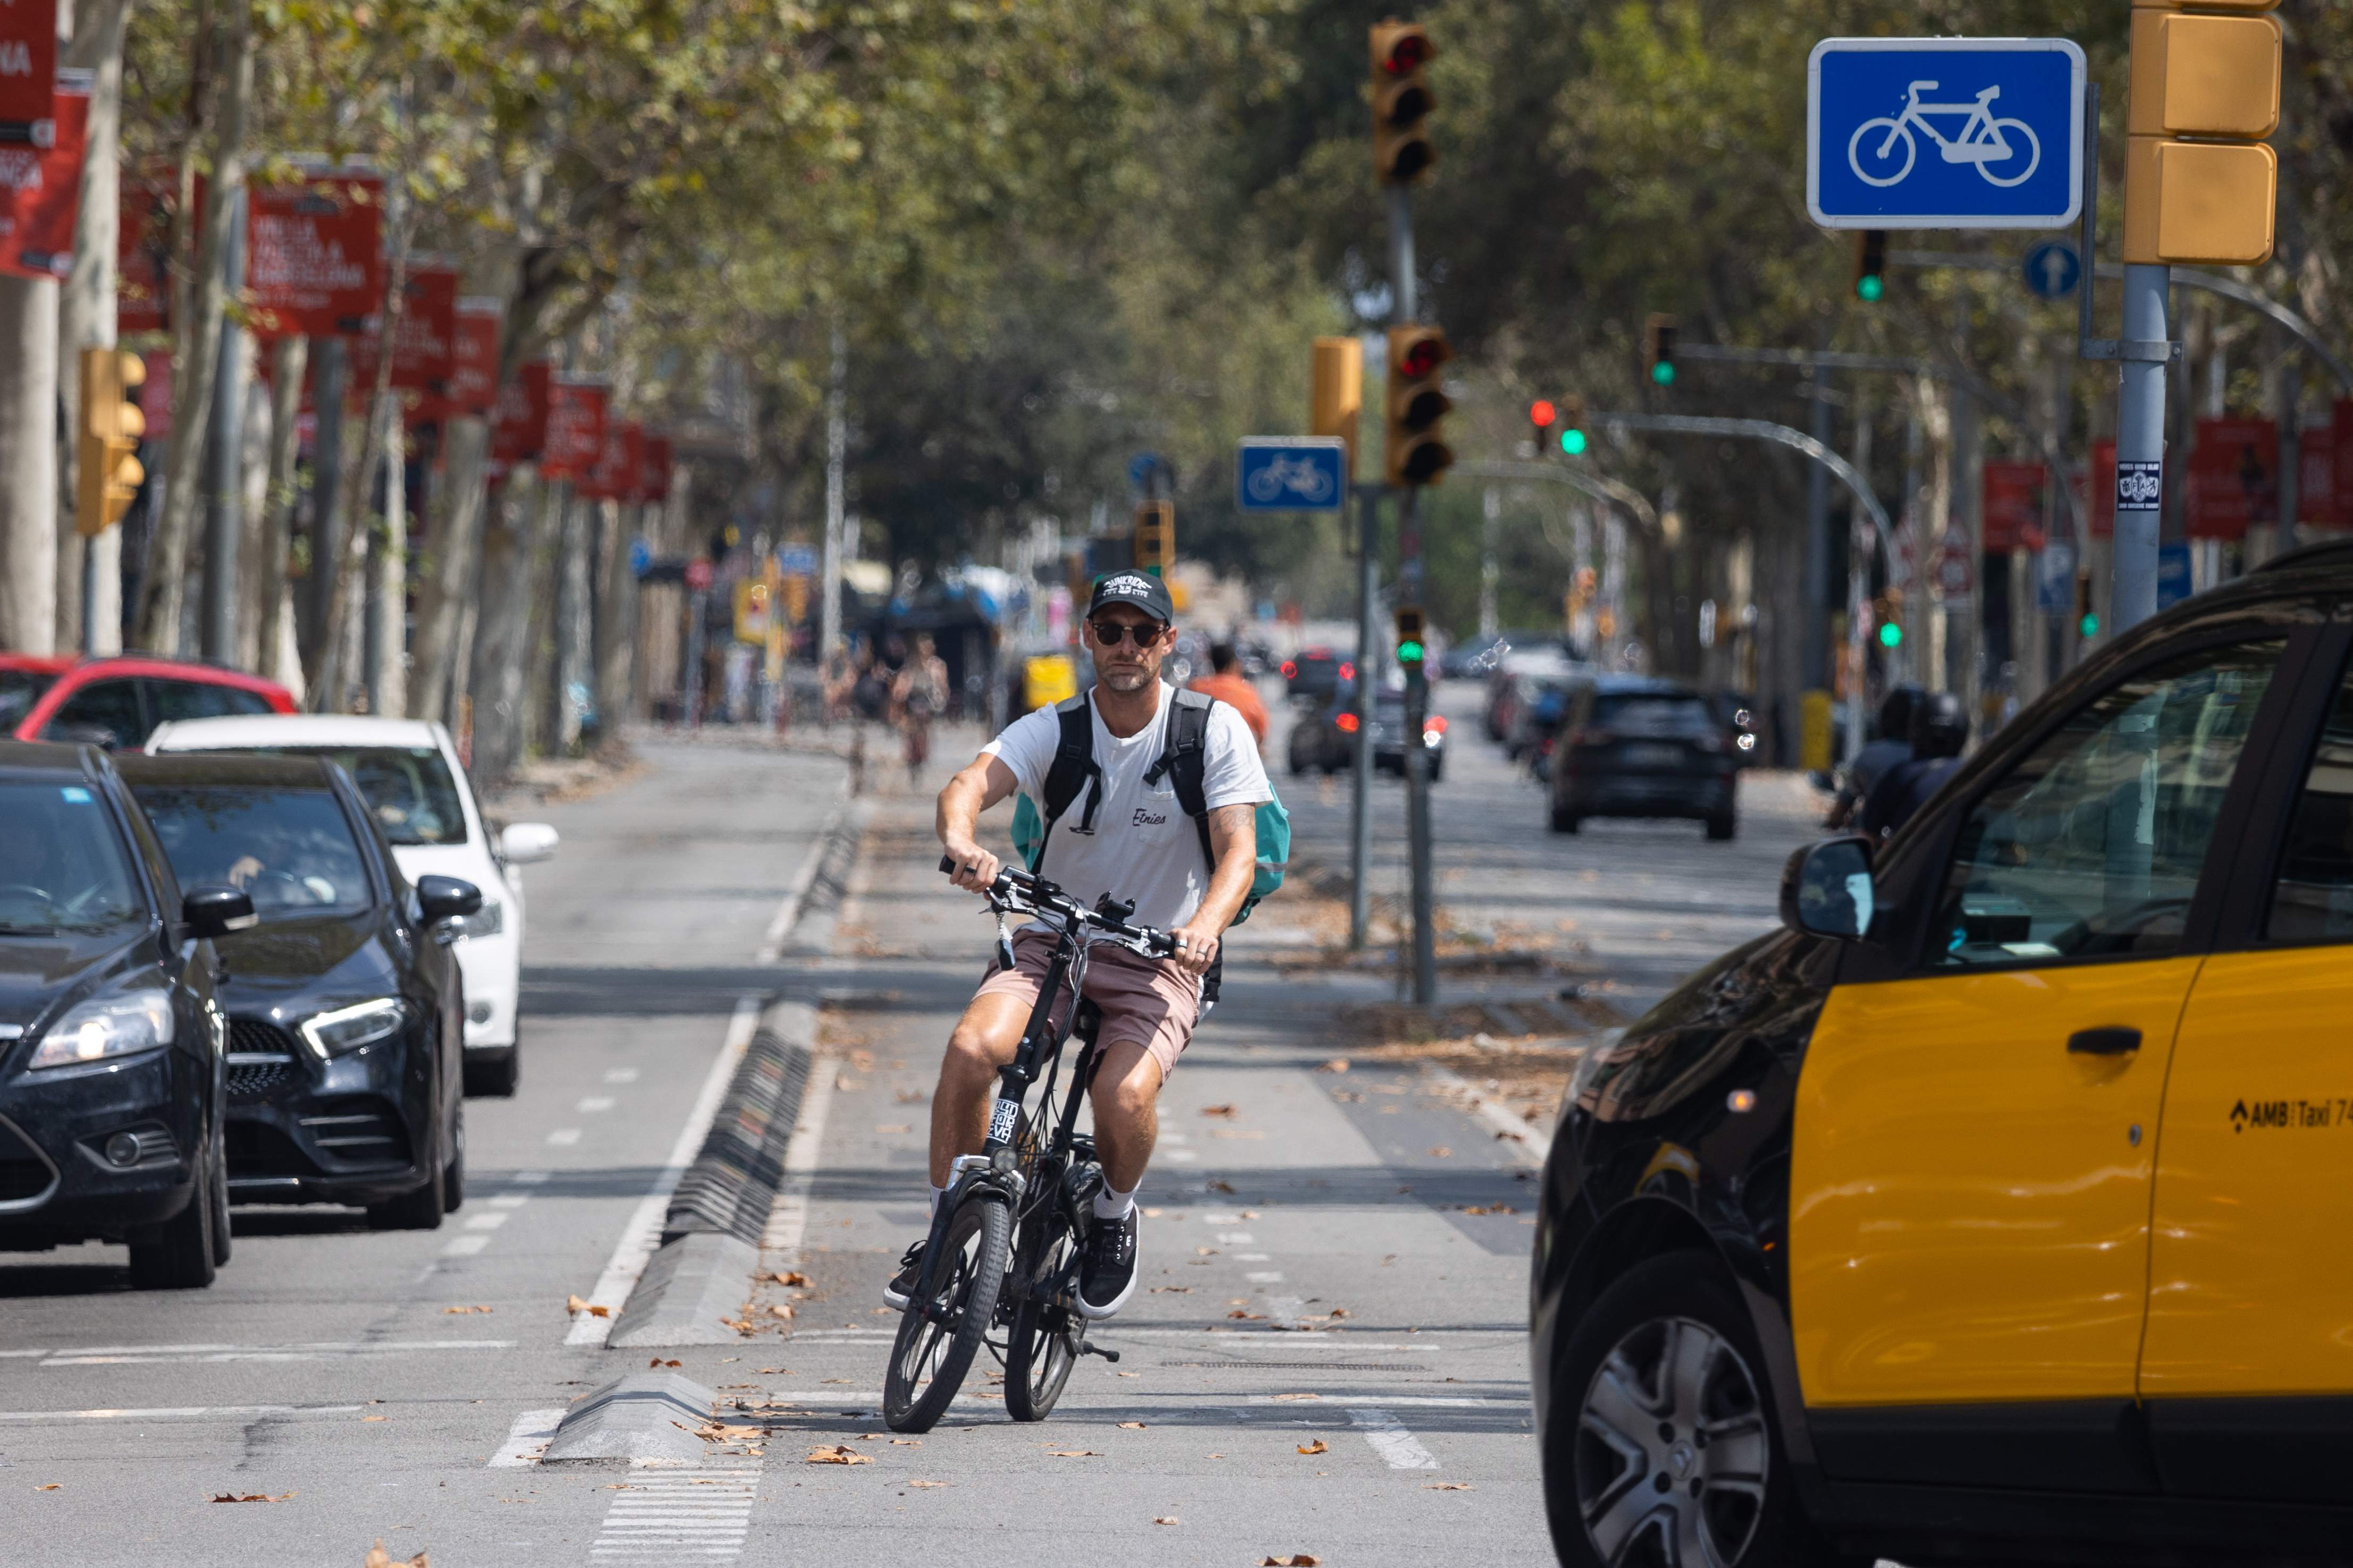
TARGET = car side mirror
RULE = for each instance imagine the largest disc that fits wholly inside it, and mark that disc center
(524, 843)
(447, 898)
(1826, 890)
(98, 735)
(214, 910)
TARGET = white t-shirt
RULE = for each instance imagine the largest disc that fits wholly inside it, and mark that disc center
(1143, 846)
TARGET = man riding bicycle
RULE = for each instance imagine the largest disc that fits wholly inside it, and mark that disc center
(1130, 838)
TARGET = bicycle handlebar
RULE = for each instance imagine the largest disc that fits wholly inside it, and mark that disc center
(1017, 889)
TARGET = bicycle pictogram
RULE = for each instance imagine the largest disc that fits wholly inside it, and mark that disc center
(1985, 140)
(1301, 476)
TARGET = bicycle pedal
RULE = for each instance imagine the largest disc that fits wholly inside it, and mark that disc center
(1111, 1356)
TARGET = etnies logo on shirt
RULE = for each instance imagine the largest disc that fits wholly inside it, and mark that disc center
(1144, 818)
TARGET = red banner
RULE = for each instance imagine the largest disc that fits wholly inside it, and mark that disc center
(518, 420)
(142, 253)
(614, 474)
(2100, 510)
(314, 255)
(155, 395)
(2316, 479)
(2013, 506)
(423, 357)
(474, 360)
(653, 475)
(2234, 478)
(28, 60)
(575, 431)
(40, 189)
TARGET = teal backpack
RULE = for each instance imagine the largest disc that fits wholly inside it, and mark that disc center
(1185, 764)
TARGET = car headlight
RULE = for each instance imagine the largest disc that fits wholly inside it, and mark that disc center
(488, 920)
(349, 1029)
(107, 1026)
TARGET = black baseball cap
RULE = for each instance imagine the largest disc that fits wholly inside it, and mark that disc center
(1140, 589)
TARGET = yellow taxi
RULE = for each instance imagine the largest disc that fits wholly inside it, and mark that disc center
(2000, 1209)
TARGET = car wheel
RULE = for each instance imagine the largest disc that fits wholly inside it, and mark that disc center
(453, 1175)
(221, 1238)
(177, 1255)
(494, 1076)
(1661, 1445)
(1722, 825)
(1563, 820)
(419, 1209)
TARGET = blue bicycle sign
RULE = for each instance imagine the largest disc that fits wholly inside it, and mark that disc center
(1278, 473)
(1944, 133)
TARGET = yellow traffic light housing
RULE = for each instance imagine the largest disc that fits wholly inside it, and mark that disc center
(2215, 79)
(1401, 102)
(1336, 393)
(1155, 535)
(108, 441)
(1416, 453)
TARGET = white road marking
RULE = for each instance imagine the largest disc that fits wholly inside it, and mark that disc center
(142, 1355)
(1186, 1155)
(788, 913)
(179, 1412)
(594, 1102)
(1265, 1276)
(1528, 1140)
(620, 1075)
(529, 1178)
(1235, 1238)
(564, 1135)
(1253, 1258)
(466, 1246)
(663, 1515)
(788, 1220)
(490, 1221)
(510, 1200)
(526, 1439)
(642, 1235)
(1401, 1449)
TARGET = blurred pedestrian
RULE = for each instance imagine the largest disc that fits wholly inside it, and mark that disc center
(1893, 746)
(1228, 684)
(1939, 730)
(918, 695)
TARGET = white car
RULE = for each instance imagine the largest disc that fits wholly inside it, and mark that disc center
(409, 771)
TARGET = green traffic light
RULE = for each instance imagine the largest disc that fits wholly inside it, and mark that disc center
(1891, 635)
(1663, 372)
(1869, 287)
(1572, 443)
(2089, 626)
(1410, 653)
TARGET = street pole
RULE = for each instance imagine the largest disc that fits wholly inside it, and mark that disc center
(1488, 571)
(1368, 664)
(326, 505)
(2144, 358)
(1417, 685)
(1817, 542)
(836, 451)
(223, 463)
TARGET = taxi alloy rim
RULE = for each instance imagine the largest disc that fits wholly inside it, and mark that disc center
(1671, 1450)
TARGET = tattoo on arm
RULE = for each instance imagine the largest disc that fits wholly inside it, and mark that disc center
(1234, 827)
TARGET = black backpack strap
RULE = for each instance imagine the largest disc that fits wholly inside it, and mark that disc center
(1074, 765)
(1186, 762)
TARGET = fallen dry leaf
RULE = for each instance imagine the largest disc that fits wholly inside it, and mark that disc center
(1448, 1486)
(575, 1306)
(1207, 1251)
(1249, 1214)
(777, 1310)
(1441, 1151)
(720, 1432)
(1221, 1186)
(1167, 1519)
(1225, 1111)
(1296, 1560)
(931, 1483)
(1131, 1374)
(378, 1557)
(249, 1497)
(1132, 1426)
(907, 1442)
(659, 1362)
(1341, 1313)
(465, 1309)
(892, 1127)
(375, 1419)
(795, 1278)
(1072, 1454)
(48, 1486)
(1317, 1446)
(1253, 1317)
(1337, 1064)
(1284, 1397)
(1172, 1289)
(838, 1454)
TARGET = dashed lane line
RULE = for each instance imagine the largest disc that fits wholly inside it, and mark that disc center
(142, 1355)
(642, 1235)
(177, 1413)
(1396, 1446)
(564, 1136)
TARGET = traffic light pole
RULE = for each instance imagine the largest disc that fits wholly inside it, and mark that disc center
(1368, 664)
(1417, 684)
(2146, 355)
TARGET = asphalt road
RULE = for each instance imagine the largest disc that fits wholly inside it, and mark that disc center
(1329, 1359)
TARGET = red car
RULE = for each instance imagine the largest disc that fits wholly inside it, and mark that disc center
(114, 702)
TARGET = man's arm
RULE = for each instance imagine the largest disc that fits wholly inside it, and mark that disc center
(980, 784)
(1233, 840)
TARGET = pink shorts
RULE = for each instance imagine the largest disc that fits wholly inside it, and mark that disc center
(1144, 1002)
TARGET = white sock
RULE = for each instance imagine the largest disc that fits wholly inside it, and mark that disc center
(1111, 1204)
(938, 1194)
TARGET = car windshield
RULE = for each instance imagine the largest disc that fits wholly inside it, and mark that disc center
(408, 788)
(62, 867)
(19, 689)
(1650, 713)
(290, 848)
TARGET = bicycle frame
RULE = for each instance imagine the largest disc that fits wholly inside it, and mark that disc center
(1959, 149)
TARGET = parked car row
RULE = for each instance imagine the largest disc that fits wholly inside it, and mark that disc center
(263, 962)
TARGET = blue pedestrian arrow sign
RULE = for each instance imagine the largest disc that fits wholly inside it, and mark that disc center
(1290, 473)
(2053, 270)
(1944, 133)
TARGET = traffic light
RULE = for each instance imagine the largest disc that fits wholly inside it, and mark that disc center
(1870, 264)
(1412, 640)
(1417, 454)
(1541, 414)
(1891, 631)
(1155, 535)
(109, 441)
(1401, 103)
(1580, 590)
(2217, 80)
(2087, 619)
(1659, 349)
(1572, 426)
(1337, 393)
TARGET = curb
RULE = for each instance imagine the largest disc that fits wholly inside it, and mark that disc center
(732, 1182)
(693, 1285)
(645, 1415)
(819, 908)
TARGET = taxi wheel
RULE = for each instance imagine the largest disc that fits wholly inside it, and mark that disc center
(1663, 1447)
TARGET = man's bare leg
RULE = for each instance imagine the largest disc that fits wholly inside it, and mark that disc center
(985, 1040)
(1126, 1098)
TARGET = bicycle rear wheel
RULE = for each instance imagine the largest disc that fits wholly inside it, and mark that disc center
(1046, 1338)
(931, 1355)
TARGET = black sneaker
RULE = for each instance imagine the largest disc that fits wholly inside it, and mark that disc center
(903, 1284)
(1107, 1277)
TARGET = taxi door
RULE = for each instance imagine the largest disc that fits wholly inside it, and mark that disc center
(1974, 1141)
(2248, 1364)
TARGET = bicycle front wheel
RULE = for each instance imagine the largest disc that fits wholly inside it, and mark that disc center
(933, 1350)
(1882, 150)
(1045, 1337)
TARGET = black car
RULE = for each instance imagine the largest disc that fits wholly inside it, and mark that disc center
(112, 1088)
(1314, 674)
(1327, 740)
(1984, 1213)
(1631, 745)
(346, 1006)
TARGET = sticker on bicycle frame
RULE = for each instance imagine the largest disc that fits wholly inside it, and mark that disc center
(1004, 1120)
(1944, 133)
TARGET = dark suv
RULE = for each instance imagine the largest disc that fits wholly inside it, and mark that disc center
(112, 1040)
(1629, 745)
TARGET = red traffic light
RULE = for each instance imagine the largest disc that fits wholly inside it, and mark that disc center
(1541, 414)
(1422, 357)
(1408, 54)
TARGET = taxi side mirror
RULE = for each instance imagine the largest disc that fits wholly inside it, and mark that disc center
(1826, 890)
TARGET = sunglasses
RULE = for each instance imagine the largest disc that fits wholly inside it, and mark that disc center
(1111, 634)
